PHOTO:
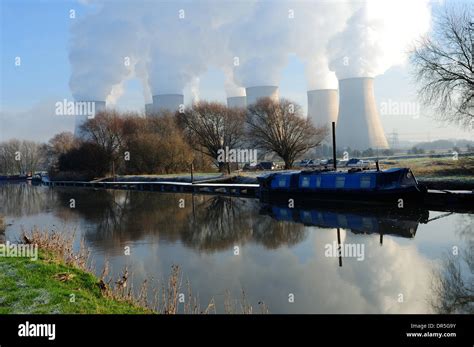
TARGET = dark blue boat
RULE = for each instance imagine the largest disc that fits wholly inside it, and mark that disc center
(393, 187)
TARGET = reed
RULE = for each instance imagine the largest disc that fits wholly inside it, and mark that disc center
(2, 224)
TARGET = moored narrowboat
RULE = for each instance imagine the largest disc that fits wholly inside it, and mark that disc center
(394, 187)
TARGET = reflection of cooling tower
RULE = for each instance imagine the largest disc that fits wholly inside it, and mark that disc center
(168, 102)
(323, 105)
(86, 110)
(255, 93)
(358, 124)
(236, 101)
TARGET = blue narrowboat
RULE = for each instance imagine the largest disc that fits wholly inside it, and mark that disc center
(395, 187)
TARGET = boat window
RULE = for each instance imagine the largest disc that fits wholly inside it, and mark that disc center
(340, 180)
(282, 182)
(408, 179)
(389, 180)
(365, 181)
(318, 181)
(305, 182)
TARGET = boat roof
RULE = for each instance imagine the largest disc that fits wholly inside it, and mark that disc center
(315, 172)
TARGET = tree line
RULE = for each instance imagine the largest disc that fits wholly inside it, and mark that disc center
(162, 143)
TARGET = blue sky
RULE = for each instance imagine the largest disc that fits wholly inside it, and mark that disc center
(39, 33)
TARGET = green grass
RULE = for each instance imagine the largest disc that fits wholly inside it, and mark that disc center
(439, 173)
(435, 167)
(31, 287)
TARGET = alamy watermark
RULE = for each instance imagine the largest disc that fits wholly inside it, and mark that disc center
(12, 250)
(345, 250)
(238, 155)
(28, 329)
(75, 108)
(400, 108)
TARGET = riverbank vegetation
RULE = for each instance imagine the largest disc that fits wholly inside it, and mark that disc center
(57, 282)
(2, 224)
(62, 281)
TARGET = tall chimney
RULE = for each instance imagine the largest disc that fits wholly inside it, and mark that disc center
(237, 101)
(358, 124)
(169, 102)
(81, 118)
(323, 107)
(255, 93)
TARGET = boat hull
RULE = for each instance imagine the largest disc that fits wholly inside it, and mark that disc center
(393, 198)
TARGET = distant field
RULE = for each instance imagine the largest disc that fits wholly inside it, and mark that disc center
(435, 167)
(439, 173)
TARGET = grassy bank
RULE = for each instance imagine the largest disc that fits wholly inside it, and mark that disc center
(58, 281)
(62, 281)
(49, 285)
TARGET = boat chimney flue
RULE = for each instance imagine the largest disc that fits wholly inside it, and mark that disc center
(334, 145)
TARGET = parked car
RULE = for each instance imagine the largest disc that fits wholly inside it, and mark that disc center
(250, 167)
(267, 165)
(303, 163)
(306, 163)
(355, 162)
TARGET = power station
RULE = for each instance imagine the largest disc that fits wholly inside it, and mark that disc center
(237, 101)
(258, 92)
(323, 107)
(353, 108)
(358, 123)
(168, 102)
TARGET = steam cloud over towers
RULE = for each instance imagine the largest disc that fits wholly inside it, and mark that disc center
(258, 92)
(168, 45)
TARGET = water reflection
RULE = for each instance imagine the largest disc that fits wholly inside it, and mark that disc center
(358, 221)
(282, 250)
(453, 279)
(206, 223)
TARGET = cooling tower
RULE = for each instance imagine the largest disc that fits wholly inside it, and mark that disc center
(237, 101)
(255, 93)
(323, 106)
(84, 111)
(358, 124)
(168, 102)
(148, 109)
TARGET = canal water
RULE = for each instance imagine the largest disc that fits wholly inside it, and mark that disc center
(286, 258)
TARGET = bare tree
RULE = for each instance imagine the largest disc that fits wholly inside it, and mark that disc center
(158, 147)
(21, 157)
(280, 127)
(211, 126)
(106, 130)
(59, 144)
(443, 65)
